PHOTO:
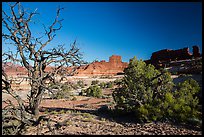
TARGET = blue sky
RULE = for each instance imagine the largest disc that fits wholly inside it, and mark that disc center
(122, 28)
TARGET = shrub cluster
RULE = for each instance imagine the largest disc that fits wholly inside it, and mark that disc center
(63, 91)
(152, 95)
(94, 82)
(104, 85)
(93, 91)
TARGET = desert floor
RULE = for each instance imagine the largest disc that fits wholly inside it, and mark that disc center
(89, 116)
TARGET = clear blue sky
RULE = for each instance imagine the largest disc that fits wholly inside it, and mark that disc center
(123, 28)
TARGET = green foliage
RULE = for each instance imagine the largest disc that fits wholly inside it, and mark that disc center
(151, 94)
(63, 91)
(94, 91)
(102, 85)
(94, 82)
(117, 81)
(184, 102)
(109, 84)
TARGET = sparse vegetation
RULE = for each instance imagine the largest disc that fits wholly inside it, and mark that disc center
(92, 91)
(62, 111)
(80, 83)
(109, 84)
(94, 82)
(104, 85)
(117, 81)
(87, 115)
(63, 93)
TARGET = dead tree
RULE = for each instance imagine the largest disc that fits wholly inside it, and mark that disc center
(31, 54)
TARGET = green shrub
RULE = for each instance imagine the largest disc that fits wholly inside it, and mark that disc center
(66, 88)
(109, 84)
(93, 91)
(152, 96)
(185, 103)
(63, 92)
(117, 81)
(62, 95)
(102, 85)
(94, 82)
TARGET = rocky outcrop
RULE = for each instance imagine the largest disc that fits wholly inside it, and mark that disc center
(196, 52)
(164, 56)
(113, 67)
(171, 55)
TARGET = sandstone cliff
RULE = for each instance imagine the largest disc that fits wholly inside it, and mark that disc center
(113, 67)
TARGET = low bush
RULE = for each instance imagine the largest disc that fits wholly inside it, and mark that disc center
(109, 84)
(62, 91)
(102, 85)
(93, 91)
(94, 82)
(80, 83)
(117, 81)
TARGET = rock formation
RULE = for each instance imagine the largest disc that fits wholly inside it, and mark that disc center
(196, 52)
(113, 67)
(161, 57)
(170, 55)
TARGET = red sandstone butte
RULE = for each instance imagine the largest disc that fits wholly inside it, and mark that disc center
(113, 67)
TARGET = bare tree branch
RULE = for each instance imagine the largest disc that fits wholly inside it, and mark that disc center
(31, 54)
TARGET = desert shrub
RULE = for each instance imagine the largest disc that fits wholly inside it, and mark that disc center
(66, 88)
(63, 92)
(117, 81)
(152, 96)
(94, 91)
(80, 83)
(102, 85)
(94, 82)
(109, 84)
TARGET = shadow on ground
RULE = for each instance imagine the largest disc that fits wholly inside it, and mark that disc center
(100, 113)
(122, 118)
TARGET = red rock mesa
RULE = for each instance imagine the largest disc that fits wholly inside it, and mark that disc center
(113, 67)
